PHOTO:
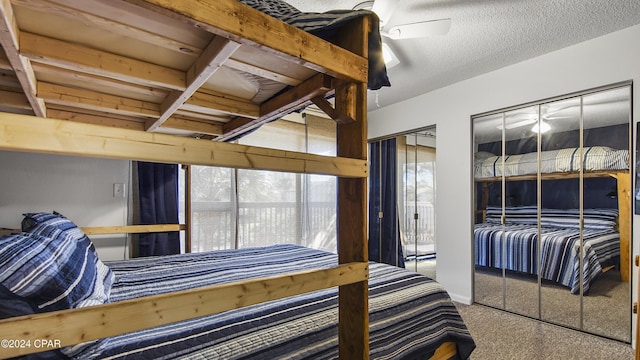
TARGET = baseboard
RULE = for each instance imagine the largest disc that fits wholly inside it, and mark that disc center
(461, 299)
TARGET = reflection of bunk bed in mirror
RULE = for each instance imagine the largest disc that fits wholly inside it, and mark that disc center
(116, 102)
(598, 162)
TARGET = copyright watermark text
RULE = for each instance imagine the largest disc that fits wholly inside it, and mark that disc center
(29, 343)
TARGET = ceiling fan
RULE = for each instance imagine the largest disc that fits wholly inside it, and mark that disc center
(385, 9)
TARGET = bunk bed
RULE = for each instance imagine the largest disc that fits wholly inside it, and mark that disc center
(606, 232)
(175, 82)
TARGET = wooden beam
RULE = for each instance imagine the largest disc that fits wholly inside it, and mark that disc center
(14, 100)
(85, 99)
(196, 126)
(4, 62)
(95, 117)
(282, 104)
(90, 323)
(211, 59)
(132, 229)
(33, 134)
(351, 99)
(178, 122)
(9, 39)
(76, 57)
(215, 104)
(328, 109)
(10, 81)
(126, 229)
(104, 84)
(625, 192)
(254, 28)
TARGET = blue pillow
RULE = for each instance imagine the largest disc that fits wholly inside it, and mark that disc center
(53, 225)
(52, 273)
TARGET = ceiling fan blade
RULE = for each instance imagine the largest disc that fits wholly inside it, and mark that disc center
(419, 29)
(556, 117)
(384, 9)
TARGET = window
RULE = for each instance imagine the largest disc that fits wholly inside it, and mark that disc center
(234, 208)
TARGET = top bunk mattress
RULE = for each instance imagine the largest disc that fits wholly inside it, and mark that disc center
(594, 158)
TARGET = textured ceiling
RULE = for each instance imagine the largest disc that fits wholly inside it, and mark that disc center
(485, 35)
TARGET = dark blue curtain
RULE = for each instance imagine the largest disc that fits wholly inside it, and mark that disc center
(384, 233)
(158, 200)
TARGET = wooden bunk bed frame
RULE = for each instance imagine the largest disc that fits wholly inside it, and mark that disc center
(151, 112)
(624, 192)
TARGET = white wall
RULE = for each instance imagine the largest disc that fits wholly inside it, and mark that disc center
(605, 60)
(79, 188)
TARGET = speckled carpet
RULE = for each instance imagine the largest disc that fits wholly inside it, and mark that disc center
(504, 336)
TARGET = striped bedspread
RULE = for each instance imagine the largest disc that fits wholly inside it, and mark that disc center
(410, 315)
(559, 255)
(564, 160)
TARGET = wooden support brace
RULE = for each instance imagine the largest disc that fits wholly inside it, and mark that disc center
(328, 109)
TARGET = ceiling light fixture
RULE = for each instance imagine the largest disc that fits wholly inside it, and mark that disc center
(541, 128)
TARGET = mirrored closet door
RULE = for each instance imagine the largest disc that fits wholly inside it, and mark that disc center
(553, 210)
(402, 201)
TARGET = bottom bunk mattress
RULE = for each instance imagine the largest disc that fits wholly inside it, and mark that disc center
(410, 314)
(559, 259)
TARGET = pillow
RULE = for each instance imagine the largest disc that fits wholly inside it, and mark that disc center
(595, 219)
(50, 274)
(53, 225)
(482, 155)
(524, 215)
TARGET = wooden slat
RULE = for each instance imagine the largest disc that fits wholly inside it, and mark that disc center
(207, 103)
(280, 105)
(123, 229)
(104, 84)
(10, 81)
(76, 57)
(193, 125)
(4, 62)
(218, 51)
(91, 100)
(85, 324)
(34, 134)
(234, 20)
(132, 229)
(14, 100)
(95, 118)
(352, 209)
(9, 39)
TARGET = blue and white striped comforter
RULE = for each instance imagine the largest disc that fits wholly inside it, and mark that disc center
(563, 160)
(410, 315)
(559, 257)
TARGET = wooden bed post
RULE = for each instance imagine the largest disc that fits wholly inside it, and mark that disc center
(624, 223)
(351, 100)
